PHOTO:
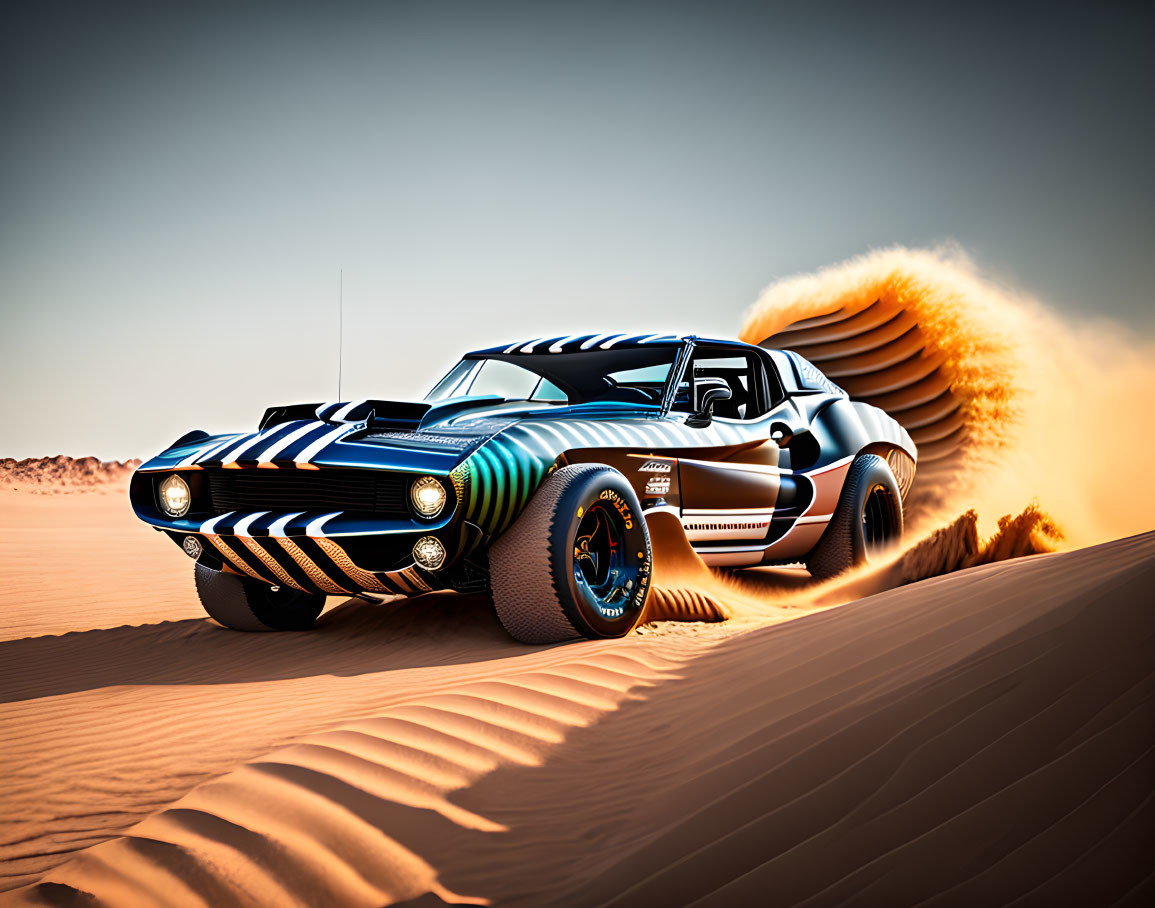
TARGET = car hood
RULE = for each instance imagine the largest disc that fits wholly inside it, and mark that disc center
(450, 431)
(396, 435)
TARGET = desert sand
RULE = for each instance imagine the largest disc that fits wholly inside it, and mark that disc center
(969, 722)
(968, 739)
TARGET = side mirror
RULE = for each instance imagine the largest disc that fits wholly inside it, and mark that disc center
(705, 414)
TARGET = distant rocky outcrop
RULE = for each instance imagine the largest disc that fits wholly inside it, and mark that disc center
(60, 473)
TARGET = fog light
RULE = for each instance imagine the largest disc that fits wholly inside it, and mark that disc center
(192, 547)
(175, 497)
(429, 553)
(428, 496)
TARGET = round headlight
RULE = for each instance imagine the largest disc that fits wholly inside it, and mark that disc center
(175, 497)
(429, 552)
(428, 496)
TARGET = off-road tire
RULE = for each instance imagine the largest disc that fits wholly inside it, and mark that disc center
(532, 565)
(243, 604)
(844, 544)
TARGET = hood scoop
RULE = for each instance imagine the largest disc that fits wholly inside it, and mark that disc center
(376, 414)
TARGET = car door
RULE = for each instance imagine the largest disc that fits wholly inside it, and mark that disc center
(729, 493)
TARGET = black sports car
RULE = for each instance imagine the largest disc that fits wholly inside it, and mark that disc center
(530, 469)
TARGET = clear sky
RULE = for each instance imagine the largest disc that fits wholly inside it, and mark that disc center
(179, 187)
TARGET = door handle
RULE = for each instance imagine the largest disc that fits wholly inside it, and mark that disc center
(781, 434)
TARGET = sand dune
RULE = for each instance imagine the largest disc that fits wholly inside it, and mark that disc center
(958, 739)
(953, 724)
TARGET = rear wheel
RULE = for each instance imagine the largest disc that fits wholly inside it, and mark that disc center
(577, 562)
(867, 521)
(244, 604)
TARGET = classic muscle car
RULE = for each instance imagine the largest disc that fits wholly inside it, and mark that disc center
(530, 470)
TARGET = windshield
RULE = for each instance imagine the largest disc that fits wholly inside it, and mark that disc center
(635, 375)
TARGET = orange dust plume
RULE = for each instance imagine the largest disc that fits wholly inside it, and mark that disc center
(1006, 401)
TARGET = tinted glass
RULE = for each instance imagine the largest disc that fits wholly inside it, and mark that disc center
(634, 375)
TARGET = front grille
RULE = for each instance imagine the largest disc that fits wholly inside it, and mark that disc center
(383, 494)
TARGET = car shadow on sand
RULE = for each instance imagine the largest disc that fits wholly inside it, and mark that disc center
(354, 638)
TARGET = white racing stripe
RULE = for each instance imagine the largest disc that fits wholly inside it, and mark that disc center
(321, 443)
(236, 443)
(209, 526)
(275, 449)
(596, 339)
(617, 338)
(557, 348)
(254, 440)
(340, 415)
(241, 528)
(316, 527)
(279, 526)
(201, 452)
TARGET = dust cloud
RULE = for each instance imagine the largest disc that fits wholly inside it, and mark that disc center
(1034, 430)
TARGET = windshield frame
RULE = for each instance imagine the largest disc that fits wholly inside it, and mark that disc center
(681, 356)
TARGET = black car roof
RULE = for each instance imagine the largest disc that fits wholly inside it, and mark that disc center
(578, 342)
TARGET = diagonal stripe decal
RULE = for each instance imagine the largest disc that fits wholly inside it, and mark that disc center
(251, 450)
(241, 527)
(233, 558)
(344, 412)
(279, 527)
(596, 339)
(296, 435)
(314, 573)
(414, 579)
(204, 451)
(315, 447)
(270, 562)
(210, 525)
(340, 557)
(219, 454)
(316, 527)
(560, 345)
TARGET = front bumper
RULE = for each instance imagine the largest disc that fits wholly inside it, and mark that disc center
(321, 551)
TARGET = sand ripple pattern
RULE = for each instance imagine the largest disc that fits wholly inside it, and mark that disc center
(329, 819)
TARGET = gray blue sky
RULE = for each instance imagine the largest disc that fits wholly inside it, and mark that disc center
(180, 186)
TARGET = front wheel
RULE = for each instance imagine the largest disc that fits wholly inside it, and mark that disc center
(577, 561)
(866, 522)
(244, 604)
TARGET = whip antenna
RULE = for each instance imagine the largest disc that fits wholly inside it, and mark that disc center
(340, 328)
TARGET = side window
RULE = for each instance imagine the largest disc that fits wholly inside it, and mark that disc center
(547, 390)
(503, 379)
(742, 373)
